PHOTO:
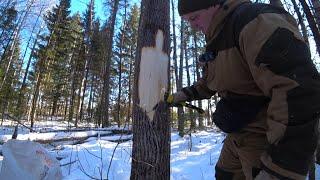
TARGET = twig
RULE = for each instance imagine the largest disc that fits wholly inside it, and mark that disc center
(84, 172)
(69, 163)
(91, 153)
(19, 122)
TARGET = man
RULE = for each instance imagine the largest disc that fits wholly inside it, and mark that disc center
(258, 63)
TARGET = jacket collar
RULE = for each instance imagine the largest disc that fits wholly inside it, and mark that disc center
(218, 20)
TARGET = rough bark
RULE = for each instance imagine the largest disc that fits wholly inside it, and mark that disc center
(118, 118)
(301, 22)
(12, 48)
(106, 83)
(198, 75)
(316, 10)
(181, 118)
(312, 23)
(88, 39)
(151, 128)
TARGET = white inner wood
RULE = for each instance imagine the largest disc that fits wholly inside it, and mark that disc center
(153, 77)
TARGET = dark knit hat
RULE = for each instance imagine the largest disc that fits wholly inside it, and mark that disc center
(188, 6)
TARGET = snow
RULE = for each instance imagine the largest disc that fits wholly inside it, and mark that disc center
(185, 164)
(91, 160)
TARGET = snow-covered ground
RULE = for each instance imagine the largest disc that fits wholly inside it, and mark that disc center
(185, 164)
(91, 160)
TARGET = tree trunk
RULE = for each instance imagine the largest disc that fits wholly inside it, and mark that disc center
(106, 84)
(82, 94)
(14, 41)
(200, 119)
(312, 24)
(130, 85)
(301, 22)
(151, 126)
(89, 109)
(118, 118)
(191, 114)
(181, 117)
(316, 9)
(174, 39)
(35, 99)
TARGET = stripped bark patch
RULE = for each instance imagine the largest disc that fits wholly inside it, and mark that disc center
(153, 79)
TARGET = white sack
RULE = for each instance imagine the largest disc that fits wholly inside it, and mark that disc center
(27, 160)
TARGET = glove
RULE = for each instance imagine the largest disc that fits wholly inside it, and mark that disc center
(176, 98)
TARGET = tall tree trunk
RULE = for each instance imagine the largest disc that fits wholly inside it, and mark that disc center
(30, 38)
(196, 50)
(118, 116)
(151, 126)
(35, 99)
(120, 66)
(191, 114)
(130, 85)
(73, 84)
(176, 69)
(89, 109)
(316, 9)
(106, 84)
(312, 24)
(181, 118)
(14, 41)
(82, 94)
(174, 39)
(301, 22)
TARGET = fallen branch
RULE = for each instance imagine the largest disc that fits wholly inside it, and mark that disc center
(81, 139)
(18, 121)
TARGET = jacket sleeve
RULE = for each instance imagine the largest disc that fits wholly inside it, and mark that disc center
(281, 66)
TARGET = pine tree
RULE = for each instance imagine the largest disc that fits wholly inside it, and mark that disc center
(53, 57)
(8, 15)
(105, 101)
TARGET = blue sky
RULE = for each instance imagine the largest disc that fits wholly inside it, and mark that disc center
(81, 6)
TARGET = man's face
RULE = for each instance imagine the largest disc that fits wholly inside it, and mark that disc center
(200, 20)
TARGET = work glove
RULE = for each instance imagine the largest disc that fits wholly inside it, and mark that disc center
(176, 98)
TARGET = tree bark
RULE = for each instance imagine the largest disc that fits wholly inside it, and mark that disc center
(301, 22)
(316, 9)
(122, 39)
(196, 50)
(181, 117)
(14, 41)
(312, 23)
(151, 126)
(191, 114)
(106, 84)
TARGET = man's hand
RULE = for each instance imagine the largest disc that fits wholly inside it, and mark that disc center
(176, 98)
(171, 100)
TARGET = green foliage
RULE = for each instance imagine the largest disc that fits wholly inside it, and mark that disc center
(65, 34)
(8, 15)
(9, 91)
